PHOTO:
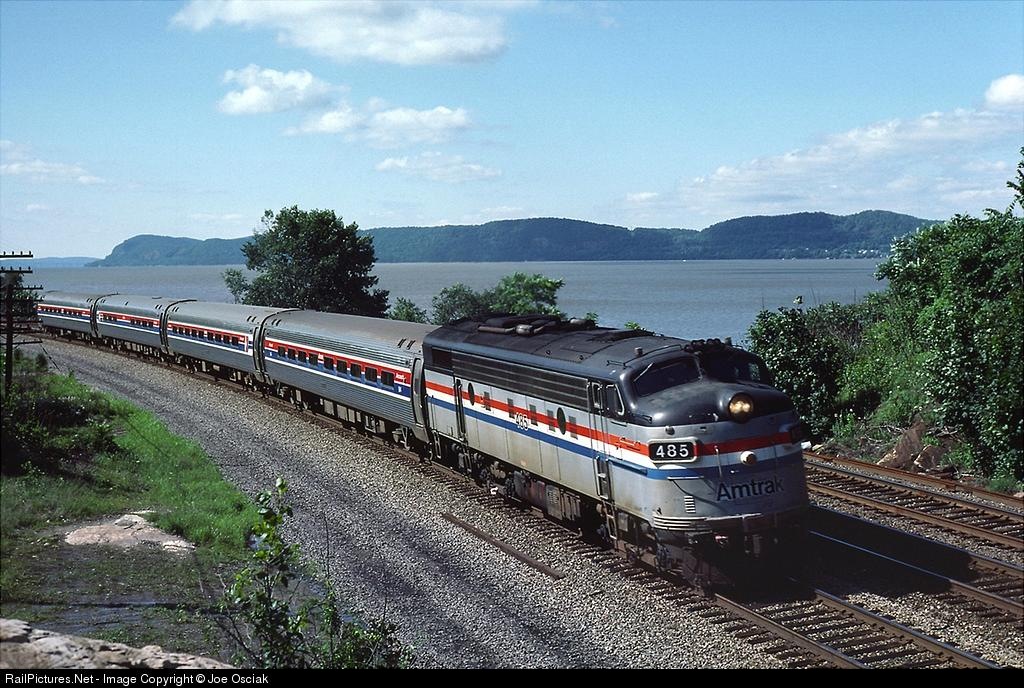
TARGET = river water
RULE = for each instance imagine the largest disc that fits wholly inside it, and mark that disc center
(692, 299)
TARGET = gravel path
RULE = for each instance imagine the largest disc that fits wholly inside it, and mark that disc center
(458, 601)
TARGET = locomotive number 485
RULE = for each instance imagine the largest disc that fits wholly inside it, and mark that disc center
(672, 451)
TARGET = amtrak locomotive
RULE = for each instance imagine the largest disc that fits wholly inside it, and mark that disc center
(677, 452)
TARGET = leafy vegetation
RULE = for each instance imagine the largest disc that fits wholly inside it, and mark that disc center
(406, 310)
(941, 344)
(281, 632)
(309, 259)
(71, 453)
(516, 294)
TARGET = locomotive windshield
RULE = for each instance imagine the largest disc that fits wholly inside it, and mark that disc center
(728, 365)
(722, 365)
(660, 376)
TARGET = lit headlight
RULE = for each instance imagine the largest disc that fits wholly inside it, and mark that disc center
(741, 407)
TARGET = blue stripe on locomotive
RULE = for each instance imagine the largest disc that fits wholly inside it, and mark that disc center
(689, 473)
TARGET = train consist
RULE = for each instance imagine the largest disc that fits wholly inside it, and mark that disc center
(674, 451)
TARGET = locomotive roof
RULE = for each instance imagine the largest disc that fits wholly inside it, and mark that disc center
(576, 347)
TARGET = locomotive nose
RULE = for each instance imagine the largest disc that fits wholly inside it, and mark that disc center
(741, 403)
(711, 402)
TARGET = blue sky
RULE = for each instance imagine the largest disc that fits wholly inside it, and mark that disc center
(191, 119)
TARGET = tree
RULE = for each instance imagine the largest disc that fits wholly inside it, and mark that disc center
(406, 310)
(457, 302)
(309, 259)
(516, 294)
(963, 283)
(942, 343)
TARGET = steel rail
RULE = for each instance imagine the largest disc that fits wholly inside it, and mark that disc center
(991, 599)
(1016, 517)
(503, 546)
(1012, 542)
(899, 630)
(921, 478)
(819, 649)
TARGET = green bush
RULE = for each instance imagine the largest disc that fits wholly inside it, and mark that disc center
(807, 352)
(277, 629)
(942, 343)
(964, 281)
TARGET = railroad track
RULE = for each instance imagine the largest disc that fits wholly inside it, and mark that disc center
(850, 636)
(919, 478)
(989, 588)
(996, 525)
(811, 629)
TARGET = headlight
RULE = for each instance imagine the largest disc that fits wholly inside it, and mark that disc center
(741, 407)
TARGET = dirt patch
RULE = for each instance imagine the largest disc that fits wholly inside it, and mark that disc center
(130, 530)
(146, 595)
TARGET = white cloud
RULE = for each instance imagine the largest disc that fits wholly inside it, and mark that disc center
(438, 167)
(268, 90)
(340, 120)
(406, 125)
(36, 208)
(388, 128)
(16, 160)
(934, 165)
(642, 196)
(406, 33)
(1006, 92)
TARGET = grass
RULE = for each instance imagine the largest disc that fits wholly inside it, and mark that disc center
(73, 455)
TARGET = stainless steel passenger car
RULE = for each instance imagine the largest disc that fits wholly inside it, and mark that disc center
(369, 365)
(134, 319)
(223, 334)
(69, 312)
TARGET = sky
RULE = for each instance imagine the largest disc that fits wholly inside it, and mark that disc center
(193, 118)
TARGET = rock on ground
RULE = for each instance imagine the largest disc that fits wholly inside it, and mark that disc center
(25, 647)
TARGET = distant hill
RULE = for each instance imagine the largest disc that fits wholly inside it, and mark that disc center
(55, 262)
(868, 234)
(150, 249)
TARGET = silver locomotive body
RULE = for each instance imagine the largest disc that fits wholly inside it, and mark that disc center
(677, 445)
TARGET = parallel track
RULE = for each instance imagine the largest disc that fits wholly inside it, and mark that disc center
(920, 478)
(995, 525)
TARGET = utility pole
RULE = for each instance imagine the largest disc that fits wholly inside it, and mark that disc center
(15, 320)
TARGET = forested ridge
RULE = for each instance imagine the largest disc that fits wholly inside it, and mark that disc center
(867, 234)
